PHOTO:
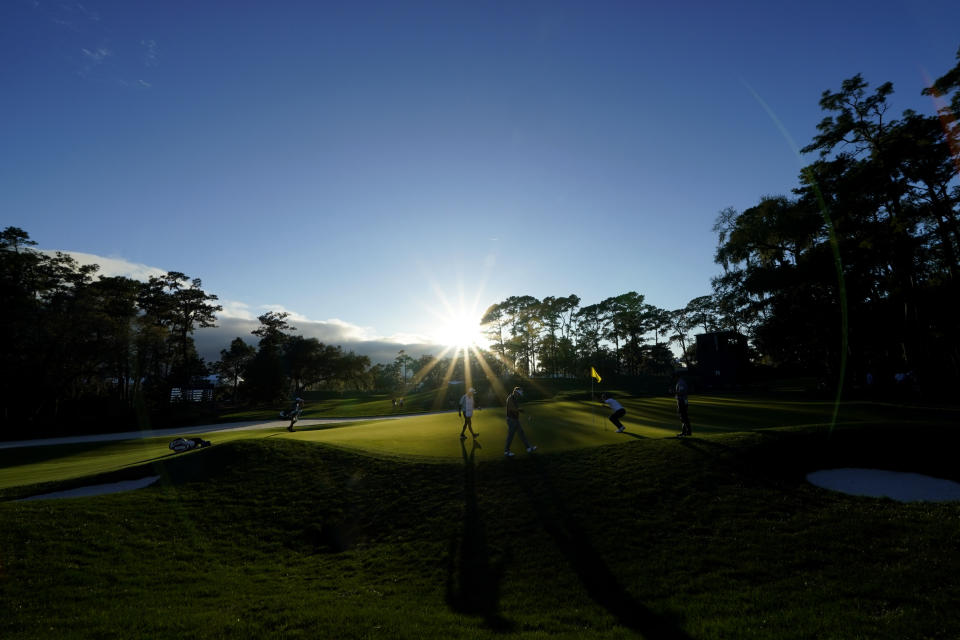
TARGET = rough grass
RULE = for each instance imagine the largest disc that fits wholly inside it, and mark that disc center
(717, 536)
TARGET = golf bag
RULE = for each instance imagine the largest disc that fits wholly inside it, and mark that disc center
(186, 444)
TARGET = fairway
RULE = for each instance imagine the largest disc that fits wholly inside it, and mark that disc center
(552, 426)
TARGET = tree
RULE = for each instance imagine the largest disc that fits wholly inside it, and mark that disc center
(403, 361)
(191, 309)
(273, 330)
(494, 324)
(702, 312)
(233, 363)
(950, 113)
(681, 321)
(524, 324)
(266, 377)
(851, 274)
(659, 321)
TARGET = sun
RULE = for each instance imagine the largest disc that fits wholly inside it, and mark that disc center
(459, 329)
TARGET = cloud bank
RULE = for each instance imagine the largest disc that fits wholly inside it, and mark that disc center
(238, 319)
(112, 267)
(334, 332)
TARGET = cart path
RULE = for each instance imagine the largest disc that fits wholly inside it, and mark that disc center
(208, 428)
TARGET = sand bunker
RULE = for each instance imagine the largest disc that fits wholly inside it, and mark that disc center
(896, 485)
(96, 489)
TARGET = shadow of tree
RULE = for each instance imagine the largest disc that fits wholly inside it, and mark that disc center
(594, 573)
(473, 581)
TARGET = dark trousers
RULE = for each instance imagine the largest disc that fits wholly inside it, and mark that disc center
(513, 427)
(615, 417)
(684, 418)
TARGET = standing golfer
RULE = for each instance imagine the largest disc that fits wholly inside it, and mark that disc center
(618, 411)
(682, 404)
(513, 422)
(467, 406)
(294, 413)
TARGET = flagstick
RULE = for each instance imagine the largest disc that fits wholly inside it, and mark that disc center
(593, 400)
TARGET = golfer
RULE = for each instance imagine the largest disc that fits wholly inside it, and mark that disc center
(467, 405)
(682, 405)
(513, 422)
(294, 413)
(618, 411)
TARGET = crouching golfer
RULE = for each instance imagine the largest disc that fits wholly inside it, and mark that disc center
(513, 423)
(466, 411)
(618, 411)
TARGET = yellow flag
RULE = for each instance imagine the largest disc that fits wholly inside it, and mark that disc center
(594, 374)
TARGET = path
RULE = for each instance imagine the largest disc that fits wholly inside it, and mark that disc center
(208, 428)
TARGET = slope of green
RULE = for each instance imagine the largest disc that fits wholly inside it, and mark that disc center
(552, 426)
(717, 536)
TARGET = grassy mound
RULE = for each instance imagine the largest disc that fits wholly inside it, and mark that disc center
(713, 537)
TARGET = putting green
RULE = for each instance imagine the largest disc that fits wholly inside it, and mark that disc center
(557, 426)
(552, 426)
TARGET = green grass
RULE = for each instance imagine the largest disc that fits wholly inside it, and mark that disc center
(282, 535)
(552, 426)
(326, 405)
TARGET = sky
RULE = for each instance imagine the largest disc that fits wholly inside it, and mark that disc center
(378, 169)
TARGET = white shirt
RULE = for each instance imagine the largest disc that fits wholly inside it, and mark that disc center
(613, 404)
(466, 405)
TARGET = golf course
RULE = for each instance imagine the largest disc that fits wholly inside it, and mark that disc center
(397, 528)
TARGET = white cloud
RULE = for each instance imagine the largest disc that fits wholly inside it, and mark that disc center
(235, 310)
(335, 332)
(151, 53)
(111, 267)
(97, 55)
(92, 16)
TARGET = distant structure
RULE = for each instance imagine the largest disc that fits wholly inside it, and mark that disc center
(722, 359)
(191, 395)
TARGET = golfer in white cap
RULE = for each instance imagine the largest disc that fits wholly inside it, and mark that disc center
(513, 423)
(467, 405)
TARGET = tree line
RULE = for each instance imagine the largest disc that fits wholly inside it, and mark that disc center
(283, 364)
(82, 351)
(104, 348)
(856, 272)
(559, 337)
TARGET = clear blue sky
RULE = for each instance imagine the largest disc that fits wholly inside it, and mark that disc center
(367, 160)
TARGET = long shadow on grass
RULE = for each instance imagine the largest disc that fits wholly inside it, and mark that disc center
(600, 582)
(701, 445)
(473, 582)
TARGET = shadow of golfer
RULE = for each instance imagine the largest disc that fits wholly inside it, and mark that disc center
(601, 584)
(473, 582)
(704, 446)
